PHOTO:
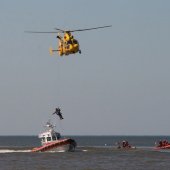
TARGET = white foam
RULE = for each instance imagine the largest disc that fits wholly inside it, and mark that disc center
(84, 150)
(61, 151)
(164, 150)
(12, 151)
(55, 151)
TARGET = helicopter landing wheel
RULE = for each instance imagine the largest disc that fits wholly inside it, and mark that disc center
(79, 51)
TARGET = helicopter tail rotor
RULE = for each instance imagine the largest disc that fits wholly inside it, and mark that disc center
(51, 51)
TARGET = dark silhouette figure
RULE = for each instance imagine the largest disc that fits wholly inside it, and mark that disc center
(58, 112)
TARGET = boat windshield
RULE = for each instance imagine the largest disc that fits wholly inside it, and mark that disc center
(48, 138)
(53, 137)
(43, 139)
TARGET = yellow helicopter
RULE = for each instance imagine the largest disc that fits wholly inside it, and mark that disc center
(67, 44)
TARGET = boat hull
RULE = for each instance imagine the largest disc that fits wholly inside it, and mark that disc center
(62, 145)
(163, 147)
(126, 148)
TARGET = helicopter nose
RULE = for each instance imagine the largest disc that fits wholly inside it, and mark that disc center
(58, 37)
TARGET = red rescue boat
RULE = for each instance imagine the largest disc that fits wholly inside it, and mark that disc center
(163, 144)
(52, 141)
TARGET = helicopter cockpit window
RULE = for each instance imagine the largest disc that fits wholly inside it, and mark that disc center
(75, 42)
(69, 42)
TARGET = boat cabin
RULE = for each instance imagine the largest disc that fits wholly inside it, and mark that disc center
(50, 135)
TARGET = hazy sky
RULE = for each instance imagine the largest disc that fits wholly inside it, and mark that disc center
(119, 85)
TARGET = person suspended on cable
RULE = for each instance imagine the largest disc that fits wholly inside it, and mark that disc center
(58, 112)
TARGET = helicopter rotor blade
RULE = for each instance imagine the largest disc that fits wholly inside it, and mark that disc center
(51, 32)
(59, 29)
(62, 31)
(90, 28)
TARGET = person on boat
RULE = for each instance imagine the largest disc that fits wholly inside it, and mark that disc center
(58, 112)
(165, 142)
(125, 144)
(160, 143)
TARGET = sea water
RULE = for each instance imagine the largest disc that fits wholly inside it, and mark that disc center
(92, 153)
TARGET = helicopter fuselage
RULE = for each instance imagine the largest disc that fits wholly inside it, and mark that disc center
(67, 44)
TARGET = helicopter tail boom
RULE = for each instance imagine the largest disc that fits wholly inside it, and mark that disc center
(51, 50)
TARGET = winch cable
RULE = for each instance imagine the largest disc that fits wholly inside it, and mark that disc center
(59, 92)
